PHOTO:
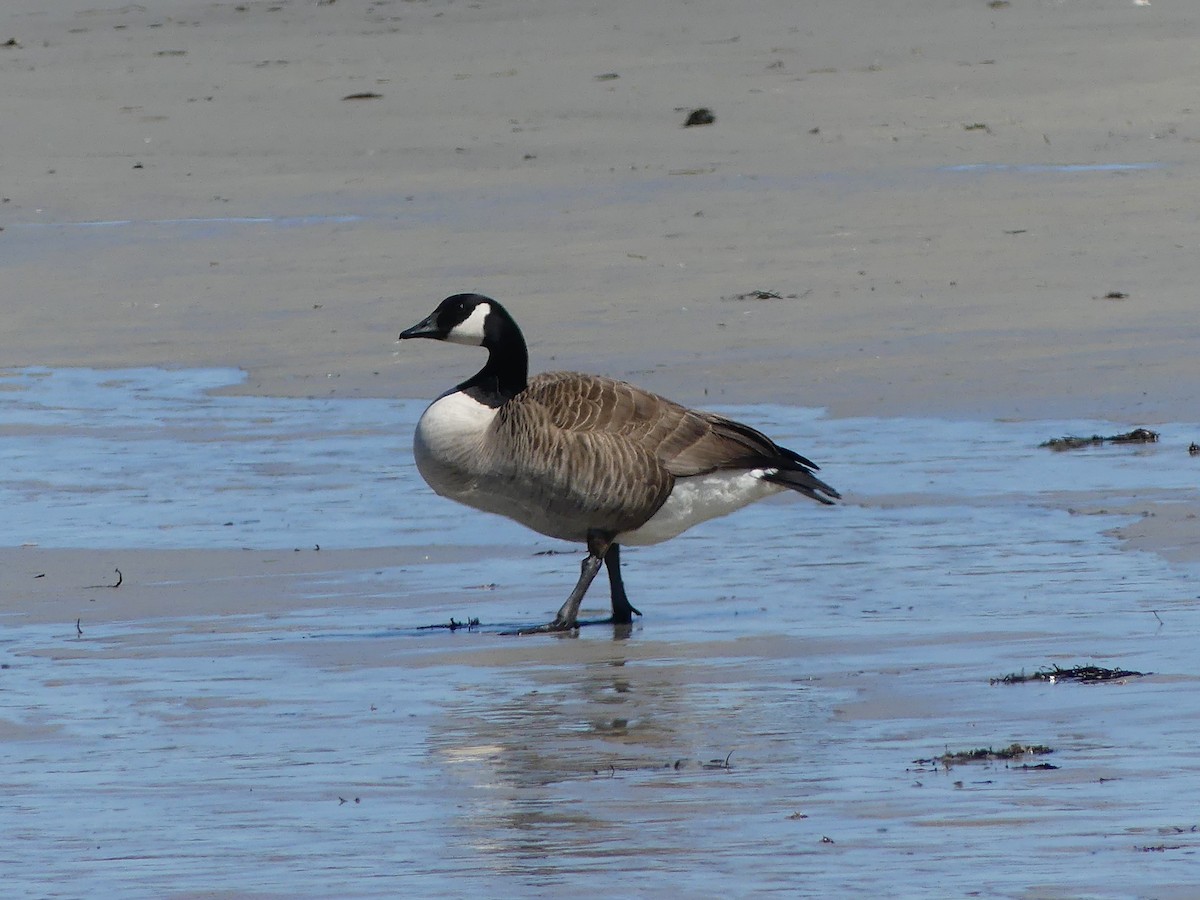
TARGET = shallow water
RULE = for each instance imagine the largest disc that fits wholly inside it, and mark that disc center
(792, 664)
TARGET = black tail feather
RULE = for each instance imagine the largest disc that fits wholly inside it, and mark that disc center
(806, 483)
(791, 470)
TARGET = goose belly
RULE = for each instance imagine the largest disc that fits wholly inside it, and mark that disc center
(700, 498)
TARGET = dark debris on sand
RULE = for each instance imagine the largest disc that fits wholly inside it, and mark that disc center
(988, 754)
(452, 625)
(766, 295)
(1082, 674)
(1074, 442)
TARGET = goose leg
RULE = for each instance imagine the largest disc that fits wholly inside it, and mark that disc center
(568, 615)
(622, 610)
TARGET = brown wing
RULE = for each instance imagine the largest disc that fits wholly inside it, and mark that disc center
(572, 463)
(657, 437)
(592, 404)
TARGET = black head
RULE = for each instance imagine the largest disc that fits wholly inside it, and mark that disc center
(480, 321)
(471, 319)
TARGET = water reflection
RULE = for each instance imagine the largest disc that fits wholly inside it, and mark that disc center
(621, 755)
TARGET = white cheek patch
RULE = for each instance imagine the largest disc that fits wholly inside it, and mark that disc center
(470, 330)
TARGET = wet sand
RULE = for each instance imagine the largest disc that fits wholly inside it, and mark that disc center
(943, 196)
(238, 712)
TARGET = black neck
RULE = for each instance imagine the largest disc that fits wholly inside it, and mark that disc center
(507, 370)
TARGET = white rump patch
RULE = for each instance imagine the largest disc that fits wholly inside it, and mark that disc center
(700, 498)
(470, 330)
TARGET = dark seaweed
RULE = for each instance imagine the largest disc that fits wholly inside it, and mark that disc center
(1074, 442)
(987, 754)
(1083, 674)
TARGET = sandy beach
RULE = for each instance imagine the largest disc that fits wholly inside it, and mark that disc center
(929, 211)
(907, 175)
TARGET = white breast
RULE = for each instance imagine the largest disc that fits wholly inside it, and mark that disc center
(448, 442)
(700, 498)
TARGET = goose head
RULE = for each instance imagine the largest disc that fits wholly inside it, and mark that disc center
(471, 319)
(479, 321)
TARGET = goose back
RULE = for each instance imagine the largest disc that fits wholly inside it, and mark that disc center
(685, 442)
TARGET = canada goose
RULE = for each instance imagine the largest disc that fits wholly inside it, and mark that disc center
(585, 458)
